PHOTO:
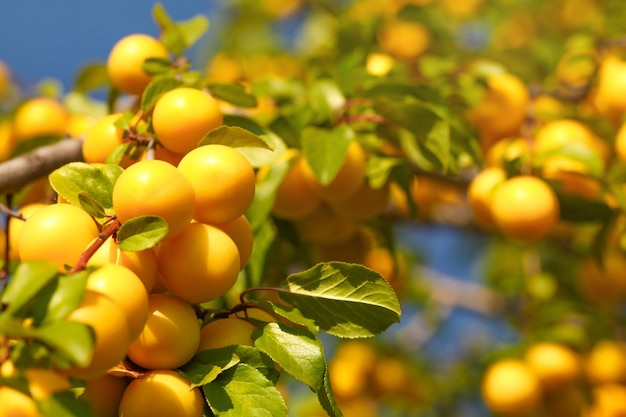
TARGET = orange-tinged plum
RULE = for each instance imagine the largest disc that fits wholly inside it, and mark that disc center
(295, 197)
(480, 194)
(126, 58)
(155, 188)
(102, 139)
(125, 288)
(510, 387)
(16, 225)
(78, 124)
(240, 232)
(161, 393)
(57, 232)
(525, 208)
(7, 140)
(199, 265)
(183, 116)
(350, 177)
(555, 364)
(142, 263)
(17, 404)
(224, 332)
(223, 180)
(112, 335)
(104, 395)
(39, 116)
(170, 336)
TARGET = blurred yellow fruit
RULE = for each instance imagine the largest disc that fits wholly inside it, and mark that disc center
(39, 116)
(379, 64)
(104, 395)
(554, 364)
(403, 39)
(480, 195)
(510, 387)
(606, 363)
(225, 332)
(502, 110)
(525, 208)
(17, 404)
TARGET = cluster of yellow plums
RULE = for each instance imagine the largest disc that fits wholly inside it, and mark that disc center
(140, 304)
(552, 379)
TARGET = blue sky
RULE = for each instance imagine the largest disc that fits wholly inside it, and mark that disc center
(54, 38)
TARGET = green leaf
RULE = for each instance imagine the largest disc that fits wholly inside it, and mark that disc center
(258, 360)
(293, 315)
(431, 132)
(91, 77)
(325, 97)
(265, 194)
(326, 150)
(60, 298)
(233, 93)
(589, 157)
(155, 89)
(29, 278)
(156, 66)
(243, 391)
(244, 123)
(327, 400)
(72, 339)
(64, 404)
(181, 35)
(206, 365)
(378, 169)
(346, 300)
(141, 233)
(259, 157)
(264, 236)
(193, 29)
(235, 137)
(90, 205)
(79, 177)
(577, 209)
(296, 350)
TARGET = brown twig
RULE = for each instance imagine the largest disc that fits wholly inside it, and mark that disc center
(111, 229)
(17, 172)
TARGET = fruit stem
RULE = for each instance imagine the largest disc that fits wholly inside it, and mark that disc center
(109, 231)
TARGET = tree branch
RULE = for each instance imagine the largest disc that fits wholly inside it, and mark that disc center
(19, 171)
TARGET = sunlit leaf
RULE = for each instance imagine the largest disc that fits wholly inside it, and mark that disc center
(141, 233)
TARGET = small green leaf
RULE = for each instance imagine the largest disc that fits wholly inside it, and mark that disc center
(79, 177)
(243, 391)
(91, 77)
(244, 123)
(577, 209)
(259, 157)
(64, 404)
(90, 205)
(61, 296)
(141, 233)
(117, 155)
(589, 157)
(193, 29)
(264, 237)
(233, 93)
(346, 300)
(326, 150)
(378, 169)
(29, 278)
(327, 400)
(156, 66)
(235, 137)
(295, 349)
(294, 315)
(265, 194)
(206, 365)
(325, 97)
(72, 339)
(155, 89)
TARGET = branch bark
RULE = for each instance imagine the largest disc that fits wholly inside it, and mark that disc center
(19, 171)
